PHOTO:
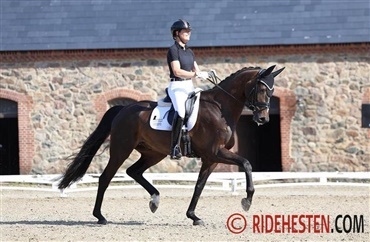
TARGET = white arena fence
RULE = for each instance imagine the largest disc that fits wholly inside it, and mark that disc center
(227, 181)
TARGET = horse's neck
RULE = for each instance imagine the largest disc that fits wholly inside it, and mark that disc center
(237, 86)
(230, 95)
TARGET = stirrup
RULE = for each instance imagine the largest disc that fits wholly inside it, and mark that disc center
(176, 153)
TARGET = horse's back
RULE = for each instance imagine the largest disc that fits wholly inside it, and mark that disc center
(131, 130)
(134, 113)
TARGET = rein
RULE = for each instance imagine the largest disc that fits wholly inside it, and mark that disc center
(214, 79)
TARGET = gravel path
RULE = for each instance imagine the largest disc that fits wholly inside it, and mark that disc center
(44, 216)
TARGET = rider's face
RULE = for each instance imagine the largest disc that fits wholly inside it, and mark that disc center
(184, 35)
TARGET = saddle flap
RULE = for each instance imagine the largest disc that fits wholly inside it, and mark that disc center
(189, 105)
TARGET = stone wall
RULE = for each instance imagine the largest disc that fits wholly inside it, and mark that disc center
(66, 95)
(326, 130)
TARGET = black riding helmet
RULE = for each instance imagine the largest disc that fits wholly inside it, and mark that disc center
(178, 26)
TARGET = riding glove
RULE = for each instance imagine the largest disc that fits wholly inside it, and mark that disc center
(202, 75)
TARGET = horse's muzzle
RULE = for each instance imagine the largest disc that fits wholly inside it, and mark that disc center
(261, 117)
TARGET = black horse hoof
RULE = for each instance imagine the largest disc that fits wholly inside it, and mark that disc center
(198, 222)
(246, 204)
(102, 221)
(154, 203)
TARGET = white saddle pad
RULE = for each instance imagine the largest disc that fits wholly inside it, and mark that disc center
(158, 118)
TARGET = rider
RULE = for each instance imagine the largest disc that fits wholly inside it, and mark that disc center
(183, 68)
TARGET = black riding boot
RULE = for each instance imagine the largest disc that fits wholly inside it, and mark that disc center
(177, 124)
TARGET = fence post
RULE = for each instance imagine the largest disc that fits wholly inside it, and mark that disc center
(234, 185)
(323, 179)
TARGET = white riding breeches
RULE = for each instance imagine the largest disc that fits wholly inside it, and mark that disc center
(179, 92)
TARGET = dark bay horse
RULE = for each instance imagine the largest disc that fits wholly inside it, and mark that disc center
(212, 137)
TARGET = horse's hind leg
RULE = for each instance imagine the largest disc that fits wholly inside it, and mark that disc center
(136, 171)
(117, 157)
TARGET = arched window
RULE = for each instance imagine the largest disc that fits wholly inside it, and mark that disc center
(9, 141)
(8, 108)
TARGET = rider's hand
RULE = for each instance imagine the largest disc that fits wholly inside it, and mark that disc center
(202, 75)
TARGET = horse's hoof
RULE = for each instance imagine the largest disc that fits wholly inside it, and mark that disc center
(154, 203)
(198, 222)
(153, 207)
(102, 221)
(246, 204)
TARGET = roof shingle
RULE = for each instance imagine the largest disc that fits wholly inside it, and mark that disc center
(66, 24)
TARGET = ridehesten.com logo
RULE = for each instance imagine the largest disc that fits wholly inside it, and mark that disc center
(295, 223)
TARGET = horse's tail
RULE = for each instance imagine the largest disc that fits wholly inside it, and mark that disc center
(78, 167)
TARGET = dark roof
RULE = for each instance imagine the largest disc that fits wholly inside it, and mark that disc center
(111, 24)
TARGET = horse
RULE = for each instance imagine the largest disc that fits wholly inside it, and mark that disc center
(212, 137)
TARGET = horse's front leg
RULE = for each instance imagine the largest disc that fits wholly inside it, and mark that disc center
(204, 173)
(227, 157)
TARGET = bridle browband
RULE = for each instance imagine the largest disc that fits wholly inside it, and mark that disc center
(252, 103)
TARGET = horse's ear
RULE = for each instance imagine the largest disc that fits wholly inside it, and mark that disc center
(275, 73)
(268, 71)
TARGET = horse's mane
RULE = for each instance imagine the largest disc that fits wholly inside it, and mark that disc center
(239, 71)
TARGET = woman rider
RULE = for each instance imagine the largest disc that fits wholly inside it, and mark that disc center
(183, 68)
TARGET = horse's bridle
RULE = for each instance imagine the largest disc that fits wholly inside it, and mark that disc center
(252, 103)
